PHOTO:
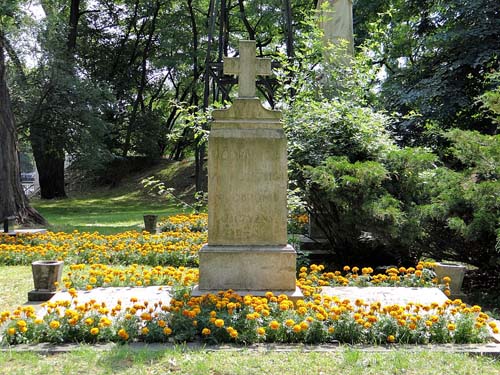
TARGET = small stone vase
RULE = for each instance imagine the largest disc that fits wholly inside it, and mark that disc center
(455, 271)
(150, 223)
(46, 273)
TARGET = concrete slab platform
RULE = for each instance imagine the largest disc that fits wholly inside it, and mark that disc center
(111, 296)
(388, 295)
(26, 231)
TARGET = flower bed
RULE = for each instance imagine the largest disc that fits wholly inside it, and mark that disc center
(227, 317)
(141, 259)
(172, 248)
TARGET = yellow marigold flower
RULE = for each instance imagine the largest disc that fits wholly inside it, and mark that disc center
(146, 316)
(346, 268)
(289, 322)
(219, 323)
(297, 328)
(206, 331)
(21, 323)
(11, 331)
(451, 327)
(446, 279)
(274, 325)
(145, 330)
(447, 292)
(331, 330)
(123, 334)
(304, 325)
(161, 323)
(94, 331)
(261, 331)
(89, 321)
(355, 269)
(391, 338)
(233, 333)
(167, 331)
(476, 308)
(55, 324)
(38, 321)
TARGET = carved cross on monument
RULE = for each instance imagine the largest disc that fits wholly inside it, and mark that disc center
(247, 67)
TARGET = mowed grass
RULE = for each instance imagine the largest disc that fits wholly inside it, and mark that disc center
(108, 213)
(15, 283)
(346, 361)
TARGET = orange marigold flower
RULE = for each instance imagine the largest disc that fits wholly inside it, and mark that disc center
(289, 322)
(274, 325)
(123, 334)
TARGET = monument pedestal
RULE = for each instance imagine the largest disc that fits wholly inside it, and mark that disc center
(244, 268)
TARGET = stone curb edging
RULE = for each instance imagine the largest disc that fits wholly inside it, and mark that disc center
(487, 349)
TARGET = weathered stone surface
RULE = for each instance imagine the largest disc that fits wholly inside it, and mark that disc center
(247, 181)
(336, 22)
(388, 295)
(247, 193)
(264, 268)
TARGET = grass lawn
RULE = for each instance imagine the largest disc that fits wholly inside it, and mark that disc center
(346, 361)
(108, 213)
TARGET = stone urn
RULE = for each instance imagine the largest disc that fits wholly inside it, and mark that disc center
(46, 273)
(150, 222)
(453, 270)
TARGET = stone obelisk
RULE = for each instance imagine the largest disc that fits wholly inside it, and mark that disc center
(247, 248)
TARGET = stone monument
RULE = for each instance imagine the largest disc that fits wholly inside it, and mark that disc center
(247, 248)
(336, 22)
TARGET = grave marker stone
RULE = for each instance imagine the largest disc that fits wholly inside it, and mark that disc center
(247, 248)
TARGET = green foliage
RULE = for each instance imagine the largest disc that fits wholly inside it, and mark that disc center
(435, 56)
(464, 208)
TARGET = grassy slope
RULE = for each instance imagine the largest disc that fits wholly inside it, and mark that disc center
(119, 209)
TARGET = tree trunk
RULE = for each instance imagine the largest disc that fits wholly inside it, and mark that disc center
(50, 166)
(13, 201)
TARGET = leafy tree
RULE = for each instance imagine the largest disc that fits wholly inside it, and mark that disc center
(435, 54)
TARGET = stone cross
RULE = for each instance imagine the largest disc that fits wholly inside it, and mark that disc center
(247, 67)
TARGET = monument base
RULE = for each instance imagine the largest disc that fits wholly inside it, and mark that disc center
(247, 268)
(40, 295)
(291, 295)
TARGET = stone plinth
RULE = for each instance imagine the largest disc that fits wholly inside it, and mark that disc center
(244, 268)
